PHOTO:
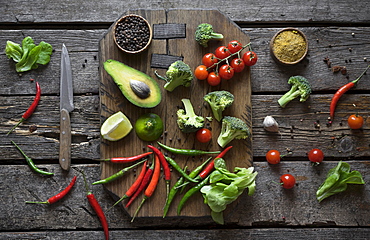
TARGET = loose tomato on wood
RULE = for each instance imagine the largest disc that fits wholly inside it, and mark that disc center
(226, 72)
(287, 181)
(203, 135)
(250, 58)
(273, 156)
(209, 59)
(234, 46)
(201, 72)
(355, 121)
(237, 64)
(316, 155)
(222, 52)
(213, 79)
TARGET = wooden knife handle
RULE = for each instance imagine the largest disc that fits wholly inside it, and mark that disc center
(65, 140)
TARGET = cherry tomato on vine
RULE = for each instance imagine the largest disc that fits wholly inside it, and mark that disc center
(213, 79)
(222, 52)
(273, 156)
(316, 155)
(209, 59)
(355, 121)
(203, 135)
(226, 72)
(250, 58)
(287, 181)
(201, 72)
(237, 64)
(234, 46)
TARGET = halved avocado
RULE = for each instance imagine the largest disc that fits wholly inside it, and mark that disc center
(139, 88)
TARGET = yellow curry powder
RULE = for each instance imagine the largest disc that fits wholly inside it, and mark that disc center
(289, 46)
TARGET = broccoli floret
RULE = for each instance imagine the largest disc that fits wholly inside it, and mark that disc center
(187, 120)
(300, 87)
(205, 33)
(219, 100)
(178, 73)
(232, 128)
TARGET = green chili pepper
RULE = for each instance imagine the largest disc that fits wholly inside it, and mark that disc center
(194, 173)
(178, 168)
(172, 194)
(188, 152)
(190, 193)
(118, 174)
(31, 163)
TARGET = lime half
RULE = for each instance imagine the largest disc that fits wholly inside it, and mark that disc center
(116, 127)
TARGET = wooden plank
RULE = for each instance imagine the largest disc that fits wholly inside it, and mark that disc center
(270, 206)
(273, 11)
(255, 233)
(112, 101)
(84, 44)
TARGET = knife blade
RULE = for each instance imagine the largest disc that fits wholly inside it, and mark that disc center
(66, 106)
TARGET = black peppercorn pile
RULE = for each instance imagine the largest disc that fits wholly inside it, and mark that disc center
(132, 33)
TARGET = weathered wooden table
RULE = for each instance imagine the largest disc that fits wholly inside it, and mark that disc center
(337, 30)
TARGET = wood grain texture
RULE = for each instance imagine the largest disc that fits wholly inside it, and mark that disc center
(189, 50)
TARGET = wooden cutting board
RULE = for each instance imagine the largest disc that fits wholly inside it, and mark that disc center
(173, 32)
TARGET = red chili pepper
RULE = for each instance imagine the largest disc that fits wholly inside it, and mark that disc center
(126, 159)
(60, 195)
(134, 186)
(342, 91)
(209, 168)
(31, 109)
(166, 168)
(143, 184)
(97, 208)
(152, 185)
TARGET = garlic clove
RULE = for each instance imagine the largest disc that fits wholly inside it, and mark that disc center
(270, 124)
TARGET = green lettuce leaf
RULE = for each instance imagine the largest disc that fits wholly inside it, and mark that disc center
(337, 179)
(14, 51)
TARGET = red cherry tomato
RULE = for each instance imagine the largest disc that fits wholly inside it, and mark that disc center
(203, 135)
(273, 156)
(226, 72)
(237, 64)
(222, 52)
(201, 72)
(355, 121)
(316, 155)
(234, 46)
(209, 59)
(250, 58)
(287, 181)
(213, 79)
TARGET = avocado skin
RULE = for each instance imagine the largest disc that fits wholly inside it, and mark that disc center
(121, 74)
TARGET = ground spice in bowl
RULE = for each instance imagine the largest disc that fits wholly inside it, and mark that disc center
(289, 46)
(132, 33)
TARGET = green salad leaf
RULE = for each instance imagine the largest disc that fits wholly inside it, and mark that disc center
(28, 56)
(225, 187)
(337, 180)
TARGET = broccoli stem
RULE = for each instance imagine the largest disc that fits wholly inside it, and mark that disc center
(217, 36)
(293, 93)
(188, 107)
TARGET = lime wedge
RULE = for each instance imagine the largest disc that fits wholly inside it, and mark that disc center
(116, 127)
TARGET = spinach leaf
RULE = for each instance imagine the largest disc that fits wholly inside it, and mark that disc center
(337, 180)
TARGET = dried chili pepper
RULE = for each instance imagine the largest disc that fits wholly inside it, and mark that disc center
(60, 195)
(166, 168)
(133, 187)
(31, 109)
(190, 193)
(342, 91)
(97, 208)
(152, 185)
(31, 163)
(187, 152)
(126, 159)
(179, 169)
(143, 184)
(117, 175)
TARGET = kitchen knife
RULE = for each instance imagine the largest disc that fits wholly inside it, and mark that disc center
(66, 106)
